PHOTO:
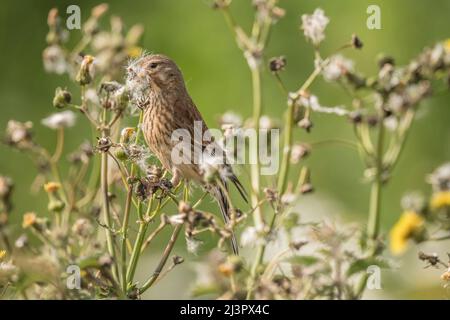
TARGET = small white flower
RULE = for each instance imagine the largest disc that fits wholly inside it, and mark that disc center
(251, 237)
(314, 25)
(437, 54)
(265, 123)
(177, 219)
(92, 97)
(231, 118)
(7, 269)
(413, 201)
(396, 102)
(288, 198)
(390, 123)
(337, 66)
(65, 119)
(54, 60)
(230, 131)
(440, 178)
(193, 245)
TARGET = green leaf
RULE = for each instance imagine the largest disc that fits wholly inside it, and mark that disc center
(303, 260)
(362, 265)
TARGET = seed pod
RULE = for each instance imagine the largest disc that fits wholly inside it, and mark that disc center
(84, 75)
(62, 98)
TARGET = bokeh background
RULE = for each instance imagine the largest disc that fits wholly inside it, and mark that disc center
(197, 38)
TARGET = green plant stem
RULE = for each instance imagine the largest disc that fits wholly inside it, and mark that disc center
(59, 145)
(287, 147)
(124, 231)
(126, 215)
(163, 260)
(107, 213)
(135, 254)
(373, 224)
(284, 170)
(255, 178)
(282, 178)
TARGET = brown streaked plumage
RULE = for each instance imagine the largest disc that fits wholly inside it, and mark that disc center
(157, 87)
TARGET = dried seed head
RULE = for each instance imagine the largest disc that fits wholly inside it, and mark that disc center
(355, 116)
(277, 13)
(356, 42)
(18, 134)
(297, 245)
(82, 227)
(85, 73)
(103, 144)
(306, 124)
(220, 4)
(126, 134)
(277, 64)
(384, 59)
(299, 152)
(105, 260)
(306, 188)
(184, 207)
(271, 194)
(6, 187)
(154, 174)
(372, 120)
(177, 260)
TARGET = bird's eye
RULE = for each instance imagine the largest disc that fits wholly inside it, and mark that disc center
(153, 65)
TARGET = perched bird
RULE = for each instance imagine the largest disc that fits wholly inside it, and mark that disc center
(156, 85)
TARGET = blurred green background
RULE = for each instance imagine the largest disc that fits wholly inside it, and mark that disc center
(218, 79)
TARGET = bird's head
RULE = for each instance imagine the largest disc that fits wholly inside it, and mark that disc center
(153, 74)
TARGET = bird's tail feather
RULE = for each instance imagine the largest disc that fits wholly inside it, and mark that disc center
(225, 209)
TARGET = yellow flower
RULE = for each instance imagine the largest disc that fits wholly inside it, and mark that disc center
(440, 199)
(405, 227)
(29, 219)
(2, 254)
(447, 45)
(51, 187)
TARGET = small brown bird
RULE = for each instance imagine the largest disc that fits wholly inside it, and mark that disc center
(157, 86)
